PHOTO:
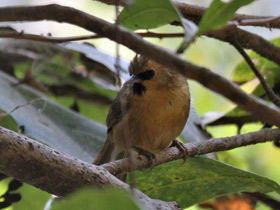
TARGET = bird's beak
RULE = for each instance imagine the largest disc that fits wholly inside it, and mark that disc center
(133, 79)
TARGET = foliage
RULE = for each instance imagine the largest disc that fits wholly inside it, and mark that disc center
(219, 13)
(143, 14)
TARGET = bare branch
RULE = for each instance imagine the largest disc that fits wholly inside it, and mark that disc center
(248, 40)
(194, 149)
(52, 171)
(266, 21)
(195, 13)
(206, 77)
(2, 115)
(34, 37)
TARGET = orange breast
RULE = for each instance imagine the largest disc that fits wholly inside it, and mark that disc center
(154, 120)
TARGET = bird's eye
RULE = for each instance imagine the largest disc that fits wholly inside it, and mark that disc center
(146, 75)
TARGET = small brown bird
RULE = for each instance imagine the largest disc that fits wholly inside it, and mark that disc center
(149, 112)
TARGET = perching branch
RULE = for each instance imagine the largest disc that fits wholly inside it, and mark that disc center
(194, 149)
(211, 80)
(52, 171)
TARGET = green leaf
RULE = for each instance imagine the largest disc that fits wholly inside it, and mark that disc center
(199, 179)
(97, 199)
(32, 198)
(219, 13)
(146, 14)
(243, 73)
(8, 122)
(49, 122)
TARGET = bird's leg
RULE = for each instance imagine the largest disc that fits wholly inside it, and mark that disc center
(150, 156)
(181, 147)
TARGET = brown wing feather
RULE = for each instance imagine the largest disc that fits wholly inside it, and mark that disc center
(109, 150)
(118, 109)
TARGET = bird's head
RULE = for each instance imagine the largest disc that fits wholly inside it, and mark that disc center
(150, 73)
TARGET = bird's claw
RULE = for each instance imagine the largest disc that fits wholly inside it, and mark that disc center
(150, 156)
(181, 147)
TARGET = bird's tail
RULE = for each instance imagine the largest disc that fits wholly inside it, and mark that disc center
(110, 152)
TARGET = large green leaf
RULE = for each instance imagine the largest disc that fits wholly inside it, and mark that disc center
(89, 199)
(146, 14)
(199, 179)
(219, 13)
(49, 122)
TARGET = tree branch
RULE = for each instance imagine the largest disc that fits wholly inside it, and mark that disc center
(248, 40)
(52, 171)
(206, 77)
(195, 13)
(194, 149)
(34, 37)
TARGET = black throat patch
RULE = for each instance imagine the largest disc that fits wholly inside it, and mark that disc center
(139, 89)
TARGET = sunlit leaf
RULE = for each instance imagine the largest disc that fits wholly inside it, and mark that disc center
(146, 14)
(199, 179)
(219, 13)
(243, 74)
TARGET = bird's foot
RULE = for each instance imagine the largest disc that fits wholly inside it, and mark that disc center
(150, 156)
(181, 147)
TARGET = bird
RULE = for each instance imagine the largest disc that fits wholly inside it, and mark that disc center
(149, 112)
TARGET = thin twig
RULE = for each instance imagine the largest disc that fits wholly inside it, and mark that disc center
(117, 58)
(272, 96)
(2, 115)
(34, 37)
(257, 21)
